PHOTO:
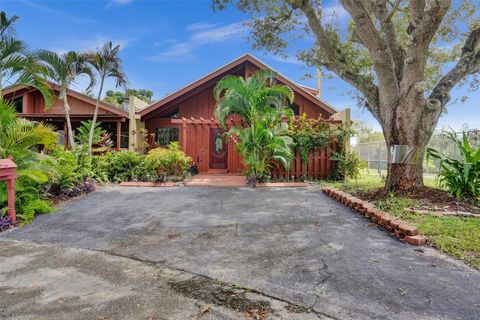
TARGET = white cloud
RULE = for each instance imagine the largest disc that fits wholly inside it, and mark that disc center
(60, 14)
(177, 52)
(91, 43)
(184, 50)
(117, 3)
(200, 26)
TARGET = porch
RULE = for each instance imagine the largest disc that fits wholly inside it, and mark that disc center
(116, 126)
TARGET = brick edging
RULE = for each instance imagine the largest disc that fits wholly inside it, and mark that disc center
(398, 228)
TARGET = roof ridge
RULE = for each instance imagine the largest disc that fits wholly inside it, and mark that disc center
(246, 56)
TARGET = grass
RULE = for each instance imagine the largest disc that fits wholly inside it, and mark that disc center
(455, 236)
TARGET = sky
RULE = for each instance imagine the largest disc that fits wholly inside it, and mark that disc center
(169, 44)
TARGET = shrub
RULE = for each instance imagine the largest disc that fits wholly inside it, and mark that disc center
(348, 165)
(102, 141)
(168, 162)
(461, 177)
(64, 171)
(29, 194)
(126, 166)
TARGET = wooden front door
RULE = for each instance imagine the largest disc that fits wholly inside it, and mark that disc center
(218, 149)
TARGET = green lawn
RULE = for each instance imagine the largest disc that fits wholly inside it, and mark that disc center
(458, 237)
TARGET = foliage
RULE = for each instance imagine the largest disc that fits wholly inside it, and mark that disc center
(126, 166)
(29, 199)
(64, 69)
(118, 98)
(262, 147)
(101, 141)
(262, 105)
(396, 205)
(311, 135)
(108, 64)
(143, 136)
(5, 222)
(379, 48)
(17, 66)
(347, 165)
(170, 161)
(20, 137)
(364, 133)
(461, 177)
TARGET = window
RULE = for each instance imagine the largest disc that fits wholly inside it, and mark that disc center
(171, 115)
(166, 135)
(295, 109)
(18, 104)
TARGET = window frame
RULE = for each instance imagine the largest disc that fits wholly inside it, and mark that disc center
(171, 138)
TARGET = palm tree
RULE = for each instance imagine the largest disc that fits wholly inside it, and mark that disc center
(64, 69)
(108, 64)
(262, 105)
(17, 63)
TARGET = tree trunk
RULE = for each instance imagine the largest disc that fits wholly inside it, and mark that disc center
(407, 134)
(404, 177)
(71, 137)
(94, 121)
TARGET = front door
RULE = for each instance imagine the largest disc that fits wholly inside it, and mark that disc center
(218, 149)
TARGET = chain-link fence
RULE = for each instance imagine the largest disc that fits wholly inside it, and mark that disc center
(375, 153)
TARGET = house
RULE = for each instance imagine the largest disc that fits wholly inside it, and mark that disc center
(30, 104)
(187, 116)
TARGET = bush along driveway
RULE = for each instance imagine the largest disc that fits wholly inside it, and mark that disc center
(290, 245)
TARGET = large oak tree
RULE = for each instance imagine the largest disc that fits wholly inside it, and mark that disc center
(394, 54)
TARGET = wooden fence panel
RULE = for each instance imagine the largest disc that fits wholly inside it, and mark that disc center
(319, 166)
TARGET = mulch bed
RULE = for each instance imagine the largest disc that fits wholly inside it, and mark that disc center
(430, 199)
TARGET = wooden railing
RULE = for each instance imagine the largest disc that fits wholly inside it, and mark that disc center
(319, 166)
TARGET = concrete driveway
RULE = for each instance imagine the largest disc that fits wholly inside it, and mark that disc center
(289, 247)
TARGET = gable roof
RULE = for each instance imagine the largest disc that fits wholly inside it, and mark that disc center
(308, 93)
(72, 93)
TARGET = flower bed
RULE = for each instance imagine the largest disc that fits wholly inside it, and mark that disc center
(397, 228)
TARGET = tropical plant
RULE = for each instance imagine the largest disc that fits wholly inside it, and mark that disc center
(263, 146)
(101, 142)
(108, 64)
(310, 135)
(461, 177)
(347, 165)
(170, 161)
(17, 66)
(20, 137)
(126, 166)
(64, 69)
(392, 53)
(262, 105)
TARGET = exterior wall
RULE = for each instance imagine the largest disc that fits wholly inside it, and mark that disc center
(135, 124)
(34, 109)
(195, 139)
(36, 105)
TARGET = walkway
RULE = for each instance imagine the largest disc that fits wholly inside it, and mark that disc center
(217, 180)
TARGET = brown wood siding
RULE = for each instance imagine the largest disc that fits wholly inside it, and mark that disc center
(77, 106)
(200, 103)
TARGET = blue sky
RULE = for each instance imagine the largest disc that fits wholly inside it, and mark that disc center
(168, 44)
